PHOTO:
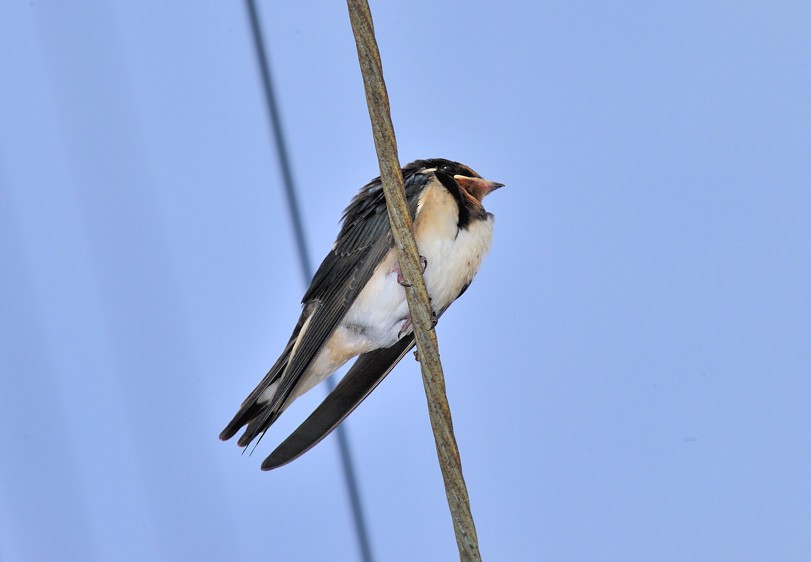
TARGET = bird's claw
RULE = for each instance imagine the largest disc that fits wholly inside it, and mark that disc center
(406, 326)
(401, 280)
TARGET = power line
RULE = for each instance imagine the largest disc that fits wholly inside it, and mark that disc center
(306, 268)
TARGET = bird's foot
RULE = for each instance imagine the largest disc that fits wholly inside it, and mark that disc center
(406, 326)
(400, 279)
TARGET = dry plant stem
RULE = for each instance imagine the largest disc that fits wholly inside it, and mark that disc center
(417, 295)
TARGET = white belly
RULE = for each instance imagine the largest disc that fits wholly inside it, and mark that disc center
(377, 317)
(453, 255)
(453, 262)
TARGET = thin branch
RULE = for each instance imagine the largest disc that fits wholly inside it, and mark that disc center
(417, 295)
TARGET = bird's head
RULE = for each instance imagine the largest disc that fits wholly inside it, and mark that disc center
(465, 177)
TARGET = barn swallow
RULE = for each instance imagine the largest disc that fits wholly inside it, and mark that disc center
(356, 303)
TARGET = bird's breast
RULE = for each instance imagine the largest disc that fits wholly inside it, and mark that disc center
(453, 257)
(453, 254)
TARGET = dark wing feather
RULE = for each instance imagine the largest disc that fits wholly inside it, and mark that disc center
(364, 240)
(362, 243)
(364, 376)
(250, 408)
(368, 371)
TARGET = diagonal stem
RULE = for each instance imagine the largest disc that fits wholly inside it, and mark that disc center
(417, 295)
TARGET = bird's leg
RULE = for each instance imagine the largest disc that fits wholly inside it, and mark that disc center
(434, 320)
(400, 279)
(406, 326)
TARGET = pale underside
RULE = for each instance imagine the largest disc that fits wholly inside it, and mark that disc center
(377, 317)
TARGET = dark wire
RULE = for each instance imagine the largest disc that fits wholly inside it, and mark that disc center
(306, 269)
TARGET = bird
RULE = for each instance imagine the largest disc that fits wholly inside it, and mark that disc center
(356, 304)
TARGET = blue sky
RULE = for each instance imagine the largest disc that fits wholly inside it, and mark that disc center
(629, 374)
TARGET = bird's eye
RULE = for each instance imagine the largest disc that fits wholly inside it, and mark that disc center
(447, 169)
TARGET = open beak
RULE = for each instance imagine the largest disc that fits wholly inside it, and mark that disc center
(477, 187)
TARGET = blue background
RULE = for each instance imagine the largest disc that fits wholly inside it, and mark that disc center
(629, 374)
